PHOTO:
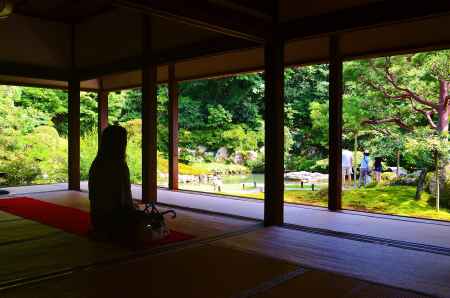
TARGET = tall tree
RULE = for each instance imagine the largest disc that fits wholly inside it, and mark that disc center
(422, 81)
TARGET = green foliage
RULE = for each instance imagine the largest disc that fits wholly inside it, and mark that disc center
(300, 163)
(218, 116)
(257, 165)
(229, 112)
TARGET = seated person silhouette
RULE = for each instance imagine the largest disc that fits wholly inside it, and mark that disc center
(113, 214)
(112, 209)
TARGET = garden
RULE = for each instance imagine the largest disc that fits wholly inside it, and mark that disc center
(396, 108)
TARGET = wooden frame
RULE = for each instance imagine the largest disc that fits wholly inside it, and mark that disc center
(74, 134)
(102, 110)
(149, 116)
(74, 120)
(374, 14)
(34, 71)
(173, 129)
(169, 56)
(274, 132)
(335, 127)
(204, 14)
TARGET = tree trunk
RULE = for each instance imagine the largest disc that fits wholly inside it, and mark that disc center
(355, 151)
(398, 163)
(443, 130)
(420, 183)
(438, 184)
(443, 106)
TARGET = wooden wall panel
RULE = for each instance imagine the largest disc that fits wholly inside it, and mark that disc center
(309, 51)
(132, 79)
(23, 81)
(109, 37)
(26, 40)
(398, 38)
(297, 9)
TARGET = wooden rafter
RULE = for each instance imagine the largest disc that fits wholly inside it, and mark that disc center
(196, 50)
(374, 14)
(205, 15)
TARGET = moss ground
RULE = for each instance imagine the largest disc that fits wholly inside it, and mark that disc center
(396, 200)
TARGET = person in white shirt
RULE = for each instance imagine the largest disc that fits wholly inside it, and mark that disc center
(347, 164)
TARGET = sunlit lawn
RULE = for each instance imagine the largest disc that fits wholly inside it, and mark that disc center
(398, 200)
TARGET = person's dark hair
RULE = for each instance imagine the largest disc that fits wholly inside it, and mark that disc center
(113, 143)
(378, 161)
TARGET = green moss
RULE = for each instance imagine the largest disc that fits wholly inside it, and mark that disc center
(395, 200)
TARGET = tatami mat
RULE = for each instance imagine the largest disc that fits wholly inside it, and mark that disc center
(324, 284)
(393, 266)
(40, 261)
(205, 271)
(30, 250)
(56, 252)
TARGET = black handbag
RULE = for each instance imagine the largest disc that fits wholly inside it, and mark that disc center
(152, 225)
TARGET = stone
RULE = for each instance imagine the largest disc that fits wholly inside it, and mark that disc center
(252, 155)
(201, 149)
(306, 176)
(238, 158)
(222, 154)
(401, 171)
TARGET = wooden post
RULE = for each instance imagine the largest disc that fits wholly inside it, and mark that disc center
(335, 127)
(73, 93)
(149, 114)
(274, 131)
(102, 109)
(173, 129)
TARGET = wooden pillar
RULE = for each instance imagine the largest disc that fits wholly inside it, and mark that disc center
(149, 114)
(173, 129)
(274, 131)
(335, 127)
(102, 111)
(74, 133)
(73, 167)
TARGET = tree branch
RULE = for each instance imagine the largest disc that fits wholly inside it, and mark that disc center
(384, 91)
(427, 113)
(395, 120)
(390, 77)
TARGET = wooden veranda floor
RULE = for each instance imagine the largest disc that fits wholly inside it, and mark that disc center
(230, 257)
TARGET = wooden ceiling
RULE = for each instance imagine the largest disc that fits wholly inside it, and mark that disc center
(204, 38)
(75, 11)
(66, 11)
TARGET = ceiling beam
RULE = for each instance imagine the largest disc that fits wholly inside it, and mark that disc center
(258, 10)
(54, 15)
(205, 15)
(33, 71)
(375, 14)
(210, 47)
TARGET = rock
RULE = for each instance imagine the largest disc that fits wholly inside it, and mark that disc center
(306, 176)
(201, 150)
(401, 171)
(238, 158)
(252, 155)
(188, 179)
(222, 154)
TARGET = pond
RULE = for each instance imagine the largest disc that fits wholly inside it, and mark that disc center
(244, 184)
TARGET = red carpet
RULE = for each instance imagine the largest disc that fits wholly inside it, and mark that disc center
(65, 218)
